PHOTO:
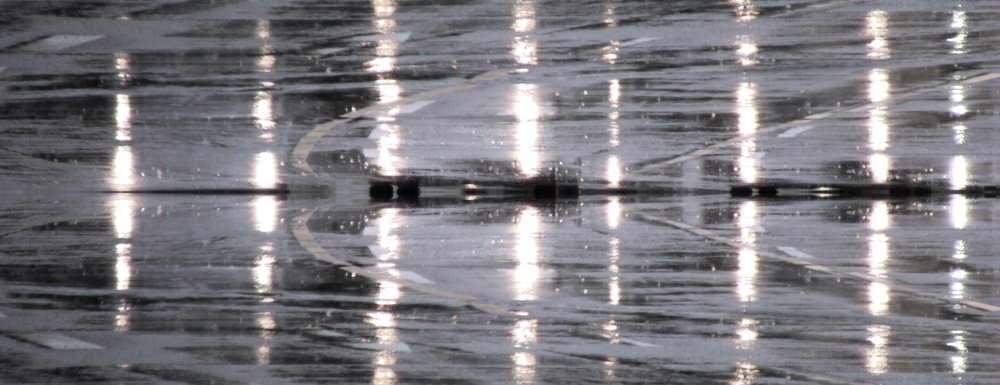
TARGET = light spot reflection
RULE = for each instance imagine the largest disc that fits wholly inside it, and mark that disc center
(526, 109)
(527, 271)
(879, 290)
(524, 336)
(747, 259)
(877, 355)
(746, 50)
(747, 124)
(878, 124)
(745, 10)
(959, 23)
(524, 49)
(877, 26)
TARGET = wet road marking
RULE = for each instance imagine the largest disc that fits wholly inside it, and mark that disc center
(636, 41)
(59, 342)
(414, 277)
(398, 37)
(59, 42)
(300, 230)
(629, 341)
(795, 131)
(302, 149)
(325, 52)
(980, 78)
(795, 252)
(415, 106)
(805, 263)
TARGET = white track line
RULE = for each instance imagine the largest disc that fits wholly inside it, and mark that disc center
(58, 341)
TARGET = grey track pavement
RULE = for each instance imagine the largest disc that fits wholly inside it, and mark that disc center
(324, 285)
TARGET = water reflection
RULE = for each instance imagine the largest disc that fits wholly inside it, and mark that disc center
(123, 118)
(959, 23)
(747, 124)
(524, 49)
(877, 360)
(878, 124)
(263, 270)
(746, 374)
(747, 259)
(960, 359)
(614, 281)
(267, 325)
(745, 10)
(877, 24)
(527, 271)
(614, 100)
(746, 50)
(527, 111)
(879, 292)
(265, 171)
(388, 295)
(524, 336)
(387, 133)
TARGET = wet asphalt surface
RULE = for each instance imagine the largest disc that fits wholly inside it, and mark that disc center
(324, 285)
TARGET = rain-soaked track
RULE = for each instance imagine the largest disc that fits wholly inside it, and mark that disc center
(210, 272)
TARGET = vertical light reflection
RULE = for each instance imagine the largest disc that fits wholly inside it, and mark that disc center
(614, 281)
(747, 259)
(123, 67)
(263, 270)
(747, 123)
(263, 102)
(123, 281)
(389, 248)
(387, 133)
(265, 171)
(527, 272)
(266, 324)
(746, 374)
(122, 168)
(614, 173)
(265, 212)
(614, 100)
(610, 52)
(527, 112)
(524, 335)
(123, 118)
(878, 353)
(959, 24)
(878, 218)
(614, 212)
(123, 215)
(610, 16)
(960, 359)
(746, 333)
(746, 50)
(878, 124)
(525, 49)
(877, 24)
(745, 10)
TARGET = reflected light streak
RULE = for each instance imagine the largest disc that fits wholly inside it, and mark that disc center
(746, 333)
(879, 167)
(263, 271)
(524, 49)
(879, 294)
(123, 67)
(959, 361)
(122, 216)
(746, 50)
(388, 161)
(958, 211)
(614, 282)
(959, 23)
(747, 123)
(527, 272)
(614, 98)
(878, 354)
(123, 266)
(877, 23)
(123, 317)
(745, 10)
(957, 98)
(527, 111)
(879, 90)
(610, 16)
(267, 325)
(122, 168)
(747, 259)
(614, 212)
(524, 336)
(746, 374)
(610, 52)
(614, 173)
(958, 172)
(878, 217)
(123, 117)
(263, 113)
(265, 171)
(265, 213)
(389, 221)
